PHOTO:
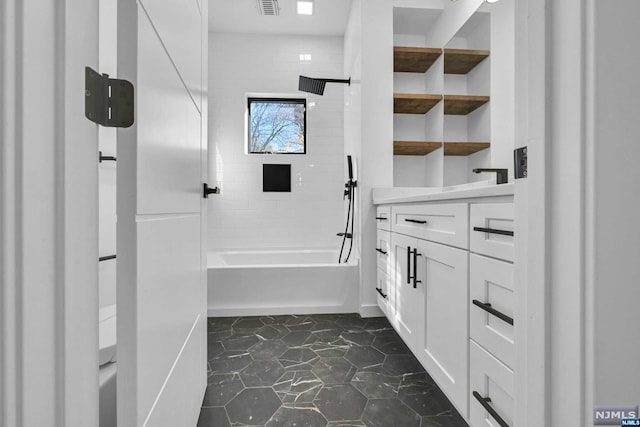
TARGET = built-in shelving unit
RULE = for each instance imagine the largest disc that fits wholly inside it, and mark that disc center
(461, 105)
(464, 148)
(414, 59)
(412, 103)
(461, 61)
(414, 148)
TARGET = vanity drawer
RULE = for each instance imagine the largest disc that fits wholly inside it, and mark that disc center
(489, 379)
(383, 216)
(447, 223)
(491, 230)
(383, 250)
(491, 288)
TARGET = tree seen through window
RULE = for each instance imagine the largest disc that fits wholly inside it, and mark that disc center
(277, 125)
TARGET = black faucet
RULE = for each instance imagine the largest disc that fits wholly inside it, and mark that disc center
(501, 178)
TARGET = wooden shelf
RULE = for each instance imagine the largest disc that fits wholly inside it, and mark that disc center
(414, 59)
(461, 105)
(463, 148)
(461, 61)
(414, 148)
(412, 103)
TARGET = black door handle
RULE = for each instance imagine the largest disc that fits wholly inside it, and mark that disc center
(409, 265)
(206, 190)
(487, 307)
(381, 251)
(493, 231)
(382, 218)
(484, 401)
(416, 221)
(381, 294)
(415, 268)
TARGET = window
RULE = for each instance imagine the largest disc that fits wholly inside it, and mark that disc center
(277, 125)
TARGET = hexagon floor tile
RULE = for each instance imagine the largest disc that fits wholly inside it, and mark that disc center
(320, 370)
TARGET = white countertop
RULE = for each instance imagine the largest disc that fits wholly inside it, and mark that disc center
(425, 194)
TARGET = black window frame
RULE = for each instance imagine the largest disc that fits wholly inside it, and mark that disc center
(279, 100)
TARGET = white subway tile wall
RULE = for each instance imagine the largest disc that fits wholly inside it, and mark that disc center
(242, 216)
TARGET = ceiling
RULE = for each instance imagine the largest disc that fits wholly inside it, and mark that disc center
(243, 16)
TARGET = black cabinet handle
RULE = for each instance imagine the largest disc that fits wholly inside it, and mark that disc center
(416, 221)
(484, 401)
(382, 218)
(493, 231)
(381, 251)
(106, 258)
(487, 307)
(381, 294)
(415, 268)
(409, 265)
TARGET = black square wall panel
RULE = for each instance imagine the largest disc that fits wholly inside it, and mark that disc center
(276, 178)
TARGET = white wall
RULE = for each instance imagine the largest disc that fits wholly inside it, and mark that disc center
(242, 216)
(107, 62)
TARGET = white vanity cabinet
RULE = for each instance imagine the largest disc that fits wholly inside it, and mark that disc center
(450, 294)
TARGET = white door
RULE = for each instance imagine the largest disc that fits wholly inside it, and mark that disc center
(443, 337)
(160, 293)
(407, 302)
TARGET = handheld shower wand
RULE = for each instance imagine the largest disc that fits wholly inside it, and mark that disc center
(349, 192)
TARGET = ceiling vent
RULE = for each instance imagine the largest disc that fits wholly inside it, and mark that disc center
(268, 7)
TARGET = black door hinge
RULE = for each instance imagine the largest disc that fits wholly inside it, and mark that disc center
(108, 102)
(206, 190)
(520, 162)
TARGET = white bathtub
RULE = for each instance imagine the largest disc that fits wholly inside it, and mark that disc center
(252, 283)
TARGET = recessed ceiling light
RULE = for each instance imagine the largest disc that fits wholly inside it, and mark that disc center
(305, 7)
(492, 1)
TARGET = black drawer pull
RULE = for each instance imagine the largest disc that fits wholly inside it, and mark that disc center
(381, 294)
(416, 221)
(415, 268)
(487, 307)
(493, 231)
(382, 218)
(106, 258)
(484, 401)
(381, 251)
(409, 265)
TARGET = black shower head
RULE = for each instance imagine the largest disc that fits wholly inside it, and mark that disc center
(316, 86)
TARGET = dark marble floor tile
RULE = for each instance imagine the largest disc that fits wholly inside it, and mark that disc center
(296, 387)
(333, 348)
(454, 420)
(402, 364)
(297, 338)
(357, 337)
(272, 332)
(230, 361)
(340, 402)
(374, 323)
(347, 424)
(214, 348)
(221, 388)
(253, 406)
(321, 318)
(297, 417)
(389, 413)
(271, 349)
(213, 417)
(391, 345)
(299, 359)
(326, 331)
(215, 324)
(334, 370)
(220, 335)
(248, 323)
(377, 385)
(262, 373)
(364, 356)
(240, 342)
(355, 321)
(275, 319)
(299, 323)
